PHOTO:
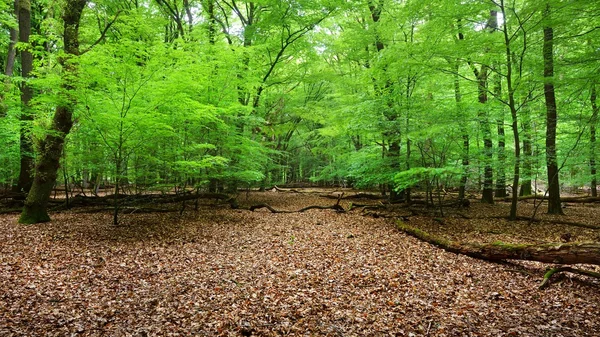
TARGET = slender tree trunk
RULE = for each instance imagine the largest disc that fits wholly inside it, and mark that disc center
(488, 147)
(212, 22)
(465, 136)
(190, 17)
(527, 153)
(514, 118)
(487, 194)
(9, 67)
(392, 136)
(501, 175)
(25, 179)
(554, 205)
(51, 146)
(593, 122)
(11, 55)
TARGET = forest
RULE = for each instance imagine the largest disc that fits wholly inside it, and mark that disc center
(291, 167)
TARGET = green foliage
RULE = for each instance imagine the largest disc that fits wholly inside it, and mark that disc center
(421, 175)
(298, 91)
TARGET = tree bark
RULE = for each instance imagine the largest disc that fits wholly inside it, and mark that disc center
(527, 153)
(465, 136)
(487, 194)
(25, 179)
(392, 153)
(560, 253)
(9, 67)
(11, 55)
(51, 146)
(554, 205)
(501, 175)
(593, 122)
(514, 118)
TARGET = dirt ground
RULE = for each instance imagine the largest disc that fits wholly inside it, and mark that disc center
(225, 272)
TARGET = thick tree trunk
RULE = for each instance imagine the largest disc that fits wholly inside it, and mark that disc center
(25, 179)
(51, 146)
(593, 122)
(554, 206)
(560, 253)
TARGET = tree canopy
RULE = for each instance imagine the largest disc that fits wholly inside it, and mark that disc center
(482, 95)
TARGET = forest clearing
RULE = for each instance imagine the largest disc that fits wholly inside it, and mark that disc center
(299, 167)
(220, 271)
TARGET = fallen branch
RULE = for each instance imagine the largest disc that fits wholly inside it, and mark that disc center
(556, 270)
(335, 207)
(583, 199)
(552, 221)
(126, 210)
(356, 196)
(560, 253)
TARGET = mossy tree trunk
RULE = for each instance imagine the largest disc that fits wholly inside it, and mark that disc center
(51, 146)
(561, 253)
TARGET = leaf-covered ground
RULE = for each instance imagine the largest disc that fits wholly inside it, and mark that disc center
(223, 272)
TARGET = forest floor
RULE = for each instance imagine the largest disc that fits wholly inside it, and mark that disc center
(226, 272)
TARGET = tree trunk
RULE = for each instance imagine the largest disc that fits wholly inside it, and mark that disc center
(593, 122)
(560, 253)
(11, 55)
(501, 176)
(527, 154)
(487, 194)
(391, 136)
(212, 22)
(25, 179)
(514, 118)
(465, 135)
(554, 205)
(51, 146)
(488, 150)
(10, 63)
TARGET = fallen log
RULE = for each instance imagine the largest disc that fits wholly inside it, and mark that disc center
(552, 221)
(558, 253)
(582, 199)
(355, 196)
(335, 207)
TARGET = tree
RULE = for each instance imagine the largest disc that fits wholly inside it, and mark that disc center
(25, 179)
(554, 204)
(11, 55)
(51, 146)
(593, 152)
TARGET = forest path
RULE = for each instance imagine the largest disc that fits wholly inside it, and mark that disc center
(234, 272)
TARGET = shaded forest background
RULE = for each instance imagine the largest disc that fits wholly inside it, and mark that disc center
(497, 97)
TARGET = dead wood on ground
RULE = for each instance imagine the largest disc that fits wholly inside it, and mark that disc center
(557, 253)
(561, 253)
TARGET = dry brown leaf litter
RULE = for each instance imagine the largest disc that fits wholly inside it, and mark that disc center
(228, 272)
